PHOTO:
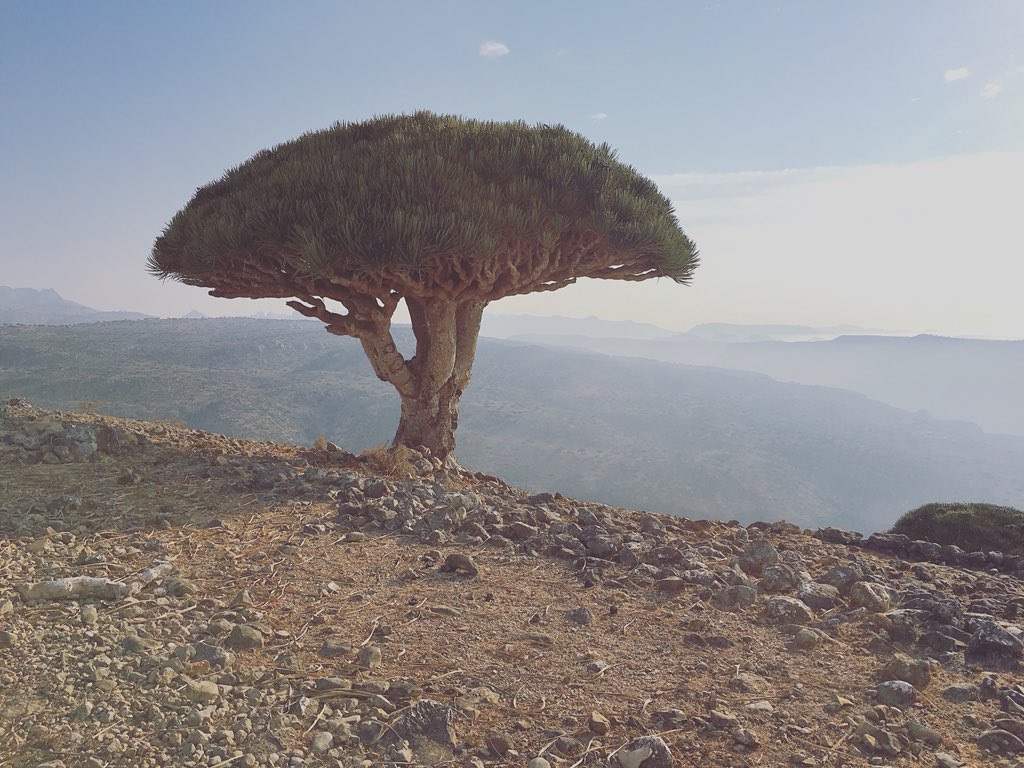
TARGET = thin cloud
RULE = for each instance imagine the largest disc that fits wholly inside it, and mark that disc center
(492, 49)
(991, 90)
(952, 75)
(598, 116)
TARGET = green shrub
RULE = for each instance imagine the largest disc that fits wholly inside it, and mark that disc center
(971, 526)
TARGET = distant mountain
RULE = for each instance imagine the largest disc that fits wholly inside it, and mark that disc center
(700, 442)
(28, 306)
(290, 315)
(731, 332)
(505, 326)
(977, 380)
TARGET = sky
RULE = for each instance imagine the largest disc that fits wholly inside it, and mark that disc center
(835, 162)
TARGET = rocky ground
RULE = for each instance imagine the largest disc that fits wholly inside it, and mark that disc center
(170, 597)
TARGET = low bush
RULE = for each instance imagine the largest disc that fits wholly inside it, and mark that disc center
(971, 526)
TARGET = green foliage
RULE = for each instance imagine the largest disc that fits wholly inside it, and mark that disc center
(403, 194)
(971, 526)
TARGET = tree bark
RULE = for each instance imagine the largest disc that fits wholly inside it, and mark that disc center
(446, 338)
(429, 423)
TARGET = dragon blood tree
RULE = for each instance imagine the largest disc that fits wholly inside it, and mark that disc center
(443, 213)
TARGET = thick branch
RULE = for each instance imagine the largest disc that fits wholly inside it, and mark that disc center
(467, 331)
(420, 329)
(387, 361)
(436, 366)
(374, 335)
(340, 325)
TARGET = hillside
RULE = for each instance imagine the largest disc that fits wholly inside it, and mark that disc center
(29, 306)
(675, 439)
(171, 597)
(504, 326)
(974, 380)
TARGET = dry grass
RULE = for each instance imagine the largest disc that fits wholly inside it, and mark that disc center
(391, 461)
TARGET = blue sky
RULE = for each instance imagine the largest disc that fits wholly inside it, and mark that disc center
(832, 159)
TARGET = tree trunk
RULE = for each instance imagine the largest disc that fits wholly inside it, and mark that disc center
(429, 422)
(446, 336)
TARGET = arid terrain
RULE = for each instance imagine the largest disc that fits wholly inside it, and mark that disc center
(256, 604)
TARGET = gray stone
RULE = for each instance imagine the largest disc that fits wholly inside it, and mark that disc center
(896, 693)
(219, 627)
(723, 720)
(843, 577)
(132, 643)
(747, 682)
(520, 531)
(370, 657)
(201, 691)
(921, 732)
(942, 610)
(598, 723)
(990, 642)
(1012, 724)
(321, 742)
(960, 693)
(778, 578)
(216, 657)
(757, 555)
(788, 610)
(581, 616)
(866, 594)
(807, 638)
(645, 752)
(838, 536)
(745, 738)
(177, 586)
(672, 584)
(917, 672)
(335, 647)
(818, 597)
(602, 546)
(1001, 742)
(498, 743)
(733, 597)
(428, 726)
(628, 557)
(370, 731)
(701, 576)
(243, 638)
(459, 562)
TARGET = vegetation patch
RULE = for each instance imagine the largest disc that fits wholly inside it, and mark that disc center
(973, 527)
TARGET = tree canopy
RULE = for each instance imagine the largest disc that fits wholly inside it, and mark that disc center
(424, 205)
(440, 211)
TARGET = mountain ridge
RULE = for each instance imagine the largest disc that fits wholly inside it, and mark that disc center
(678, 439)
(31, 306)
(954, 378)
